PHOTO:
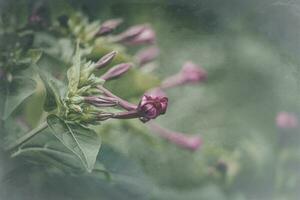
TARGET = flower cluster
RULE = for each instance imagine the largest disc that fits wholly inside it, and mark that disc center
(90, 102)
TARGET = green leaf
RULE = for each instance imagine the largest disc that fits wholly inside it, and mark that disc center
(35, 55)
(19, 89)
(83, 142)
(52, 100)
(74, 72)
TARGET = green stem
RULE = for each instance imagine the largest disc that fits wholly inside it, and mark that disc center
(27, 136)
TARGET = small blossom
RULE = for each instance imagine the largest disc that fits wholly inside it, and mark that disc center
(150, 107)
(108, 26)
(105, 60)
(191, 143)
(116, 71)
(286, 120)
(146, 55)
(190, 73)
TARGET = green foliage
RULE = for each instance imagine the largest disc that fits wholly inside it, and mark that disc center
(83, 142)
(253, 74)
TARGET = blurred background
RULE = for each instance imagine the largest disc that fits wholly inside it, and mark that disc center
(250, 50)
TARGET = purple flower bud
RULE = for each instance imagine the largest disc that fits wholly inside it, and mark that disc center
(101, 101)
(108, 26)
(191, 143)
(151, 107)
(147, 36)
(189, 73)
(116, 71)
(286, 120)
(193, 73)
(105, 60)
(130, 33)
(147, 55)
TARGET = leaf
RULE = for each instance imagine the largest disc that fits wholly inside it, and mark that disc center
(52, 100)
(20, 89)
(35, 55)
(83, 142)
(74, 72)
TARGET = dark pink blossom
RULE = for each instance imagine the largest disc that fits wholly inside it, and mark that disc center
(151, 107)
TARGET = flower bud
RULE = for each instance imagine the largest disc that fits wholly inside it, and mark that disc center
(104, 116)
(146, 55)
(75, 108)
(191, 143)
(130, 33)
(286, 120)
(151, 107)
(105, 60)
(108, 26)
(116, 71)
(76, 99)
(101, 101)
(190, 73)
(193, 73)
(147, 36)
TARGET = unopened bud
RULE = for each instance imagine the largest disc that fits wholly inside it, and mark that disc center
(130, 33)
(147, 36)
(104, 116)
(75, 108)
(76, 99)
(191, 143)
(116, 71)
(190, 73)
(101, 101)
(108, 26)
(105, 60)
(147, 55)
(151, 107)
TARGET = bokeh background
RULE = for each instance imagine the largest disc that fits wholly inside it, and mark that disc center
(251, 52)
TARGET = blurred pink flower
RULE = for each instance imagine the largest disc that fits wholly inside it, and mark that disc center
(189, 73)
(286, 120)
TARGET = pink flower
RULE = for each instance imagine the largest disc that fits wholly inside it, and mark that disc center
(108, 26)
(286, 120)
(189, 73)
(193, 73)
(146, 55)
(136, 35)
(116, 71)
(185, 141)
(151, 107)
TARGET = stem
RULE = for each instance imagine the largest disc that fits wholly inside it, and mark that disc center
(27, 136)
(123, 103)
